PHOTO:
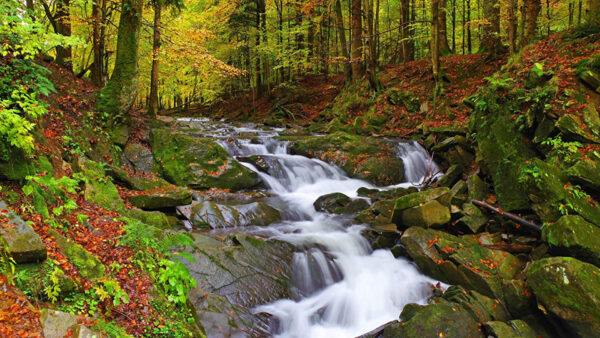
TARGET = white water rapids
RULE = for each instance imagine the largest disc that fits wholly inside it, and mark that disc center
(342, 288)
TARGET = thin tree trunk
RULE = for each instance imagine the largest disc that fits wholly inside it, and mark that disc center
(454, 26)
(532, 10)
(490, 41)
(469, 38)
(97, 63)
(512, 26)
(407, 43)
(342, 34)
(444, 46)
(154, 74)
(63, 25)
(435, 46)
(357, 70)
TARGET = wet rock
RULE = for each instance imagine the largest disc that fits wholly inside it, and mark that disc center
(591, 79)
(361, 157)
(23, 244)
(512, 329)
(478, 189)
(338, 203)
(577, 129)
(163, 197)
(452, 175)
(473, 218)
(198, 163)
(442, 319)
(442, 195)
(585, 173)
(573, 236)
(452, 260)
(568, 289)
(139, 159)
(378, 195)
(89, 266)
(135, 181)
(263, 163)
(429, 215)
(378, 214)
(208, 214)
(154, 218)
(459, 192)
(480, 307)
(246, 271)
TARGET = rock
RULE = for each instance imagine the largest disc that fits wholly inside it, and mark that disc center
(263, 163)
(512, 329)
(377, 215)
(473, 218)
(98, 187)
(504, 150)
(163, 197)
(568, 289)
(361, 157)
(355, 206)
(212, 215)
(405, 98)
(81, 331)
(246, 271)
(331, 202)
(442, 195)
(459, 192)
(452, 175)
(573, 236)
(480, 307)
(135, 181)
(585, 173)
(574, 128)
(89, 266)
(139, 159)
(57, 323)
(478, 189)
(23, 244)
(435, 320)
(17, 168)
(452, 260)
(198, 163)
(429, 215)
(154, 218)
(119, 134)
(591, 79)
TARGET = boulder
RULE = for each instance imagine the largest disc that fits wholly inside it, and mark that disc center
(480, 307)
(361, 157)
(473, 218)
(478, 189)
(99, 189)
(512, 329)
(576, 128)
(377, 215)
(154, 218)
(89, 266)
(442, 319)
(139, 159)
(263, 163)
(452, 175)
(459, 192)
(591, 79)
(568, 289)
(198, 163)
(163, 197)
(135, 181)
(573, 236)
(452, 260)
(585, 173)
(208, 214)
(331, 202)
(442, 195)
(23, 244)
(57, 323)
(429, 215)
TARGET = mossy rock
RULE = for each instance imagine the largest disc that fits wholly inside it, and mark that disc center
(442, 319)
(568, 289)
(154, 218)
(474, 219)
(139, 159)
(429, 215)
(576, 128)
(32, 278)
(198, 163)
(573, 236)
(17, 168)
(208, 214)
(161, 198)
(478, 189)
(511, 329)
(451, 176)
(89, 266)
(585, 173)
(331, 202)
(99, 189)
(442, 195)
(135, 181)
(22, 242)
(480, 307)
(361, 157)
(591, 79)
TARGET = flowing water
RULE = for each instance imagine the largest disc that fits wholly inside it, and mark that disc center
(342, 288)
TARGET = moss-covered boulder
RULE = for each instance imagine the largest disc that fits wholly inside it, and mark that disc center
(512, 329)
(208, 214)
(442, 195)
(99, 188)
(154, 218)
(163, 197)
(480, 307)
(198, 163)
(568, 289)
(377, 215)
(442, 319)
(452, 260)
(577, 128)
(451, 176)
(23, 244)
(591, 79)
(473, 218)
(135, 181)
(89, 266)
(585, 173)
(361, 157)
(138, 159)
(573, 236)
(429, 215)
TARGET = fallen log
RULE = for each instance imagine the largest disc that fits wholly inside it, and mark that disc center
(512, 217)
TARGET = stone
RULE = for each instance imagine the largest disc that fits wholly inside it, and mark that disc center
(452, 175)
(478, 189)
(331, 202)
(89, 266)
(57, 323)
(568, 289)
(135, 181)
(163, 197)
(575, 128)
(208, 214)
(23, 243)
(572, 236)
(377, 215)
(512, 329)
(585, 173)
(154, 218)
(459, 192)
(591, 79)
(473, 218)
(99, 189)
(81, 331)
(198, 163)
(480, 307)
(442, 195)
(366, 158)
(139, 159)
(429, 215)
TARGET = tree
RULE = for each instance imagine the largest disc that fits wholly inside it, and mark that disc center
(407, 44)
(121, 90)
(96, 44)
(435, 47)
(593, 11)
(490, 39)
(530, 11)
(356, 22)
(61, 23)
(342, 36)
(512, 25)
(444, 46)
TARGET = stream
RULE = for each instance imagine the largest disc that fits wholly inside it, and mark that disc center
(341, 287)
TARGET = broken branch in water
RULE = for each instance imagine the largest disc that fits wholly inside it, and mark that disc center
(513, 217)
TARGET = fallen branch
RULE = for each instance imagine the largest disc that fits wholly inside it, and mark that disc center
(512, 217)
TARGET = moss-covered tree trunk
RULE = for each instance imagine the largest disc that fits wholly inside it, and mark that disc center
(357, 70)
(63, 27)
(490, 40)
(444, 46)
(531, 10)
(121, 90)
(153, 104)
(593, 13)
(339, 18)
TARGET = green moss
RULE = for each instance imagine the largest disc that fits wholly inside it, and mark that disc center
(573, 236)
(89, 266)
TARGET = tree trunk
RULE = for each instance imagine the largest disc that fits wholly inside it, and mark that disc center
(444, 46)
(97, 63)
(490, 40)
(63, 26)
(435, 46)
(407, 44)
(532, 10)
(593, 11)
(121, 90)
(357, 70)
(512, 25)
(342, 34)
(469, 38)
(153, 104)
